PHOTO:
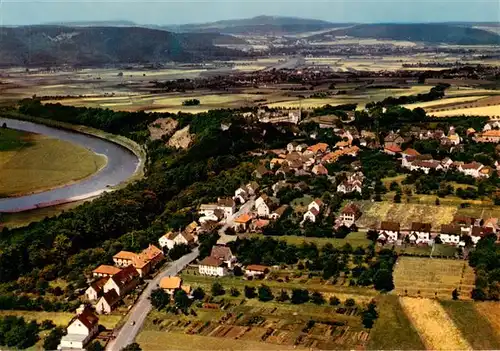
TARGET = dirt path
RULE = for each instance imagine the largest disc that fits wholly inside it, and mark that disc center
(433, 324)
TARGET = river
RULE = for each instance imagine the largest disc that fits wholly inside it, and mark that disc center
(121, 165)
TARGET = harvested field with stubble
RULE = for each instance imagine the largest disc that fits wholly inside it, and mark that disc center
(433, 324)
(393, 330)
(433, 277)
(473, 325)
(375, 212)
(491, 311)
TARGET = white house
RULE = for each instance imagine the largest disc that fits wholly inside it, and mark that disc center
(450, 234)
(317, 204)
(107, 302)
(175, 238)
(223, 253)
(95, 289)
(81, 329)
(420, 233)
(123, 282)
(212, 266)
(311, 215)
(472, 169)
(350, 213)
(256, 270)
(265, 205)
(389, 232)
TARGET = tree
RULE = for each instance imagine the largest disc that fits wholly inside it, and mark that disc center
(53, 339)
(182, 300)
(455, 294)
(132, 347)
(237, 271)
(317, 298)
(437, 240)
(369, 315)
(47, 324)
(350, 302)
(198, 293)
(397, 198)
(372, 235)
(299, 296)
(265, 293)
(159, 299)
(334, 301)
(235, 292)
(217, 289)
(283, 296)
(437, 202)
(382, 280)
(250, 292)
(95, 346)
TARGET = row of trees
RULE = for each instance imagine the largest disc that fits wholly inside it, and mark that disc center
(370, 268)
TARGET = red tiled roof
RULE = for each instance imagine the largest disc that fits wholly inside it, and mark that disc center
(211, 261)
(393, 148)
(106, 269)
(222, 252)
(257, 268)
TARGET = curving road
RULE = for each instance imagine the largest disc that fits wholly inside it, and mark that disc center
(121, 165)
(139, 312)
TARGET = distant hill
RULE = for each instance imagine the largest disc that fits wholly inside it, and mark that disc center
(260, 25)
(430, 33)
(117, 23)
(88, 46)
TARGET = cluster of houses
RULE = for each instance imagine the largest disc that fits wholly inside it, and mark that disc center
(112, 283)
(414, 161)
(454, 233)
(490, 133)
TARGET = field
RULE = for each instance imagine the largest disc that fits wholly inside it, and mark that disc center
(491, 111)
(433, 277)
(375, 212)
(491, 311)
(60, 318)
(32, 163)
(354, 239)
(433, 324)
(475, 328)
(237, 323)
(393, 330)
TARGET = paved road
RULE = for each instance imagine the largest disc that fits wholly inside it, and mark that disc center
(138, 313)
(245, 208)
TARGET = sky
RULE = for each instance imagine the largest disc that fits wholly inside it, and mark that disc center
(165, 12)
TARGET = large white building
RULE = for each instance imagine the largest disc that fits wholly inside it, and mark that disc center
(81, 329)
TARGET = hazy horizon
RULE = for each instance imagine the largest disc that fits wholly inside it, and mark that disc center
(23, 12)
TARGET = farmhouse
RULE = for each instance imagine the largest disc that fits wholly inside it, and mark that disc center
(224, 254)
(107, 302)
(389, 232)
(318, 148)
(95, 289)
(227, 205)
(319, 169)
(420, 233)
(212, 266)
(450, 234)
(242, 223)
(81, 329)
(472, 169)
(350, 213)
(175, 238)
(276, 214)
(393, 139)
(258, 225)
(105, 270)
(265, 205)
(392, 149)
(353, 182)
(256, 270)
(123, 281)
(171, 284)
(488, 136)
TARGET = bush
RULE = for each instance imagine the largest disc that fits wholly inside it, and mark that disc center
(265, 293)
(235, 292)
(250, 292)
(350, 302)
(217, 289)
(334, 301)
